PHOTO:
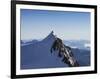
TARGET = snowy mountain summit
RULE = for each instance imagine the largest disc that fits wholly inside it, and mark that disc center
(50, 36)
(48, 53)
(49, 40)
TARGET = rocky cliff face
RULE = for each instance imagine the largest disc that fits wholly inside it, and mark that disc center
(38, 55)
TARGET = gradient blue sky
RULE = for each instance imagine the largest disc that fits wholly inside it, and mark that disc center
(37, 24)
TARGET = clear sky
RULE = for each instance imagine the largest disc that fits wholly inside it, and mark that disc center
(37, 24)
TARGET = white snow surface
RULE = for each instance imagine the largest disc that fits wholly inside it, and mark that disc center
(38, 55)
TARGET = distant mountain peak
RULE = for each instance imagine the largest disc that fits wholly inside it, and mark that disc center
(50, 36)
(52, 32)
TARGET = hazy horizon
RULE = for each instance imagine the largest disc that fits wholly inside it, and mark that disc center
(60, 38)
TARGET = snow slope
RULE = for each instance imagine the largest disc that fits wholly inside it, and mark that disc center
(38, 55)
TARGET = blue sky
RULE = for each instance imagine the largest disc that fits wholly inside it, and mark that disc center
(37, 24)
